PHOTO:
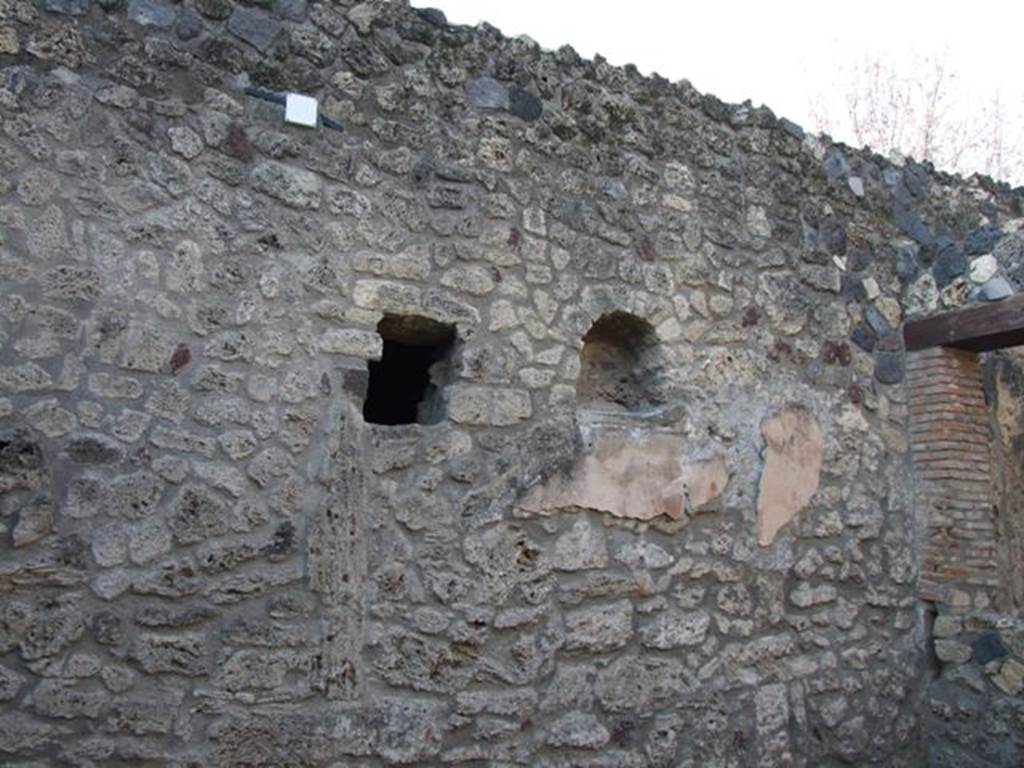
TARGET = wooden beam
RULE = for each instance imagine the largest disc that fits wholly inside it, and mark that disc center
(979, 329)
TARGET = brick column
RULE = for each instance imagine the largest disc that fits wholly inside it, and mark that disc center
(951, 436)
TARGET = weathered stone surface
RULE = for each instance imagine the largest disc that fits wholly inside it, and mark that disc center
(805, 595)
(982, 240)
(645, 682)
(486, 93)
(10, 683)
(357, 343)
(21, 461)
(215, 9)
(675, 629)
(949, 265)
(93, 449)
(24, 735)
(600, 629)
(172, 579)
(140, 717)
(409, 731)
(581, 547)
(198, 515)
(44, 627)
(295, 187)
(995, 289)
(889, 367)
(26, 377)
(9, 43)
(922, 296)
(494, 406)
(983, 269)
(579, 730)
(151, 13)
(61, 699)
(265, 742)
(1010, 677)
(952, 651)
(792, 468)
(182, 654)
(257, 29)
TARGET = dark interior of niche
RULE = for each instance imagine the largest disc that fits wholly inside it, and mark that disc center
(406, 383)
(620, 364)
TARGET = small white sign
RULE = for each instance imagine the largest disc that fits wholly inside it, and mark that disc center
(301, 110)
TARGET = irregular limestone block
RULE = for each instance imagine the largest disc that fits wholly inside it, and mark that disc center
(639, 476)
(600, 629)
(581, 547)
(580, 730)
(792, 469)
(1010, 677)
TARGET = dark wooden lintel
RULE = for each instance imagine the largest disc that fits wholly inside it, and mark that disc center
(978, 329)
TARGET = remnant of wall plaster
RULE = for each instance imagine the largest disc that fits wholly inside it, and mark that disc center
(792, 469)
(633, 476)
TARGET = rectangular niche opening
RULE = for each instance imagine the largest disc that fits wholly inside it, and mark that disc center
(406, 383)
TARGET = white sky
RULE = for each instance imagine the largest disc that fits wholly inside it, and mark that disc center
(781, 52)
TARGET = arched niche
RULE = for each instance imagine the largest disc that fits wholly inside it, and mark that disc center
(621, 364)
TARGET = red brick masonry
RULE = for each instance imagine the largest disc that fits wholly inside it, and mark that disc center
(951, 435)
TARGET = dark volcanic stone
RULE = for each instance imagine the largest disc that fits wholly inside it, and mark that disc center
(989, 647)
(152, 13)
(889, 367)
(851, 286)
(915, 177)
(356, 382)
(949, 264)
(486, 93)
(911, 224)
(19, 451)
(876, 320)
(981, 240)
(859, 259)
(864, 337)
(433, 16)
(791, 128)
(257, 29)
(292, 10)
(892, 341)
(907, 267)
(189, 25)
(995, 289)
(214, 9)
(68, 7)
(833, 237)
(836, 165)
(21, 461)
(93, 449)
(524, 104)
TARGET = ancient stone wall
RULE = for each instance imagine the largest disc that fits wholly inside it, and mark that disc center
(698, 549)
(974, 708)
